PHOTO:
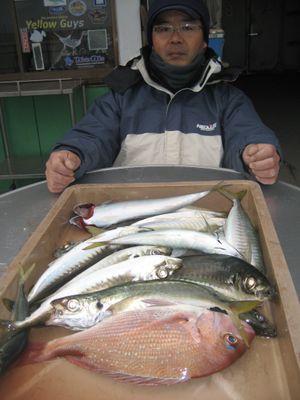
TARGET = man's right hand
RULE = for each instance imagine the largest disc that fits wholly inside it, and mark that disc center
(60, 170)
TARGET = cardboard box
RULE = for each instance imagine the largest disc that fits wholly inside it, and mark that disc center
(268, 370)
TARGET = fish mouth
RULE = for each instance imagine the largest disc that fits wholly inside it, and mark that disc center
(84, 210)
(79, 222)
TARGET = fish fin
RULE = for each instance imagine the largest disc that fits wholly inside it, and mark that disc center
(157, 302)
(177, 253)
(239, 307)
(145, 380)
(94, 230)
(208, 227)
(8, 304)
(94, 245)
(124, 377)
(33, 353)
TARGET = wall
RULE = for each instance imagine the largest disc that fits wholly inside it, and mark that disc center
(35, 123)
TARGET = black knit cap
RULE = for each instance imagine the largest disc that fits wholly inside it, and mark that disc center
(194, 8)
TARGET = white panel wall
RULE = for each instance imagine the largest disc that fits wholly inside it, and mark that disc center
(129, 29)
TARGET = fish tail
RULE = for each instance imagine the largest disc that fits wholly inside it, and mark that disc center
(8, 325)
(24, 275)
(34, 353)
(231, 195)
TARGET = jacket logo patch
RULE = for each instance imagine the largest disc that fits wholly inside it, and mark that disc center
(207, 128)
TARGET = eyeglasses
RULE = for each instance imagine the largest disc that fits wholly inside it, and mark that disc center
(186, 29)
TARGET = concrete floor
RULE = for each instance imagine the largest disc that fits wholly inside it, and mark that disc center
(276, 98)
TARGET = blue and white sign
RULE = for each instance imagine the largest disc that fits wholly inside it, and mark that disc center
(55, 3)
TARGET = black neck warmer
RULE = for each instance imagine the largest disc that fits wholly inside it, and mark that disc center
(175, 77)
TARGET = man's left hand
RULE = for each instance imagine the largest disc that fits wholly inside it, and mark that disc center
(263, 162)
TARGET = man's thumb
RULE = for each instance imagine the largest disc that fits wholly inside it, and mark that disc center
(72, 162)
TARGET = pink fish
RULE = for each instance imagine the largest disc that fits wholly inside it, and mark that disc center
(161, 345)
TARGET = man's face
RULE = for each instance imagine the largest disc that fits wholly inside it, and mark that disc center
(177, 48)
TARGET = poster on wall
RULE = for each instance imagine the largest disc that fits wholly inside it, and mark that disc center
(71, 34)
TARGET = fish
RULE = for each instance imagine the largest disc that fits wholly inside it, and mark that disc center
(83, 311)
(122, 255)
(13, 343)
(67, 266)
(191, 219)
(176, 239)
(240, 232)
(230, 276)
(159, 346)
(107, 214)
(137, 269)
(261, 325)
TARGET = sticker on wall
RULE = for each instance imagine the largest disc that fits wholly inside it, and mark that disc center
(97, 39)
(57, 10)
(85, 61)
(69, 45)
(25, 40)
(38, 56)
(54, 3)
(77, 8)
(37, 36)
(97, 16)
(99, 3)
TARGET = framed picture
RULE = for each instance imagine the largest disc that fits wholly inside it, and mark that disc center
(70, 37)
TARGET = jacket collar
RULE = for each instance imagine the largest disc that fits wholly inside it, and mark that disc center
(135, 71)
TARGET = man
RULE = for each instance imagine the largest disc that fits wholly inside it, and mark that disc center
(171, 105)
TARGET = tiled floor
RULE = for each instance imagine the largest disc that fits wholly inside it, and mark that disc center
(277, 100)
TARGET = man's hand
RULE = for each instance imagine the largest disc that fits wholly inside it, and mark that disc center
(60, 170)
(263, 161)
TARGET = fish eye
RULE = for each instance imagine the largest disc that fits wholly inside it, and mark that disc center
(250, 283)
(230, 340)
(73, 305)
(260, 317)
(162, 272)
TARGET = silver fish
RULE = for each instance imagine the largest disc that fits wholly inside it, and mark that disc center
(81, 312)
(179, 239)
(240, 233)
(261, 325)
(119, 256)
(230, 276)
(67, 266)
(138, 269)
(184, 218)
(108, 214)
